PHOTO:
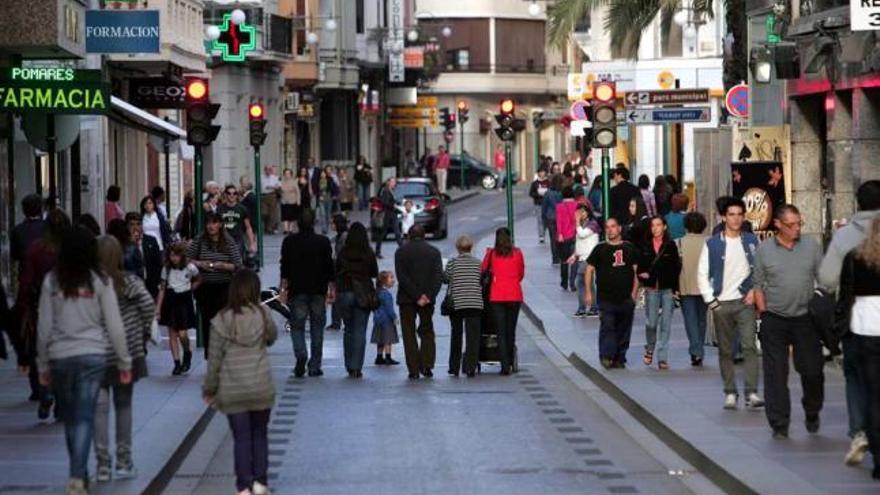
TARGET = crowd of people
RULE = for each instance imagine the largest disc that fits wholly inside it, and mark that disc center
(88, 300)
(782, 292)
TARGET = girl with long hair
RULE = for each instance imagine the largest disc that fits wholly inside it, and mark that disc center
(78, 311)
(356, 267)
(174, 306)
(507, 267)
(136, 308)
(239, 379)
(659, 269)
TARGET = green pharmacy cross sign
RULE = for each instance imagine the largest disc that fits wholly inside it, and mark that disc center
(236, 40)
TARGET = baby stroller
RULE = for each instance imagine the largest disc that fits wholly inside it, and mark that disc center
(488, 352)
(271, 299)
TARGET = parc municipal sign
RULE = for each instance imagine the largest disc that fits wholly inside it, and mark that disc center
(53, 90)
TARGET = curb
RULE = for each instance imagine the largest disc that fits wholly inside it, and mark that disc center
(717, 474)
(160, 482)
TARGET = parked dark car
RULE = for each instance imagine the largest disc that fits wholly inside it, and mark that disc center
(477, 173)
(428, 204)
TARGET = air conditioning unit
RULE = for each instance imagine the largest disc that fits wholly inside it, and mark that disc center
(291, 102)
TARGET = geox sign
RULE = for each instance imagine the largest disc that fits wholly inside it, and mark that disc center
(53, 90)
(121, 31)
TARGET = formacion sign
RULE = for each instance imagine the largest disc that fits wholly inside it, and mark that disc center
(53, 90)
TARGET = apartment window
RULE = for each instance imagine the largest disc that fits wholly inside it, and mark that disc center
(462, 59)
(519, 46)
(300, 26)
(470, 36)
(359, 16)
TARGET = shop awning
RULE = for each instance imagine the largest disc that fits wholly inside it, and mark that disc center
(133, 116)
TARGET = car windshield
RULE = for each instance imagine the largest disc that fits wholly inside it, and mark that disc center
(412, 190)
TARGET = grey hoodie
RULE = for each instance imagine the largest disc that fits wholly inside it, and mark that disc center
(844, 241)
(79, 326)
(238, 376)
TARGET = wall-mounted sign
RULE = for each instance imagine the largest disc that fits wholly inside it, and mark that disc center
(236, 40)
(414, 57)
(864, 15)
(122, 31)
(155, 92)
(396, 67)
(53, 90)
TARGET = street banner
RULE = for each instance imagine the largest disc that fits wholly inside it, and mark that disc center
(122, 31)
(53, 90)
(761, 185)
(396, 67)
(155, 92)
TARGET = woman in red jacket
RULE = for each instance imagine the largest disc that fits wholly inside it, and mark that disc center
(507, 267)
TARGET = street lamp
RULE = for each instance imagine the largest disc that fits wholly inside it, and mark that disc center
(412, 36)
(446, 31)
(534, 9)
(312, 38)
(330, 25)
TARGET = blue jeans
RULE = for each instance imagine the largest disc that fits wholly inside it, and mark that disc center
(363, 195)
(326, 214)
(856, 395)
(655, 301)
(580, 269)
(615, 329)
(354, 340)
(76, 381)
(539, 220)
(693, 308)
(250, 447)
(311, 307)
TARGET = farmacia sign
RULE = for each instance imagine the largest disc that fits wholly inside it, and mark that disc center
(53, 90)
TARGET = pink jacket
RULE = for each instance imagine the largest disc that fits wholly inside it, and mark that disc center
(565, 227)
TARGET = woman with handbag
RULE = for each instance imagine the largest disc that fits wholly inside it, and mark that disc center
(464, 305)
(659, 269)
(859, 312)
(503, 269)
(356, 295)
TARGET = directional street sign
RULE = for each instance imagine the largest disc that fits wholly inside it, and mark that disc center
(667, 97)
(645, 116)
(418, 112)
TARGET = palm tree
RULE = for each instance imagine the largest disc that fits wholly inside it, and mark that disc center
(627, 19)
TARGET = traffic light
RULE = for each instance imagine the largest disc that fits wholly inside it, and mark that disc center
(604, 115)
(505, 119)
(199, 113)
(463, 110)
(257, 118)
(537, 119)
(447, 119)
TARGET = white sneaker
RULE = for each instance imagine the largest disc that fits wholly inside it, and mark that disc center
(125, 472)
(102, 473)
(730, 401)
(76, 486)
(857, 450)
(260, 489)
(754, 401)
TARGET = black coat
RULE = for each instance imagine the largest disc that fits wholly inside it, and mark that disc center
(621, 194)
(152, 265)
(663, 268)
(419, 270)
(307, 263)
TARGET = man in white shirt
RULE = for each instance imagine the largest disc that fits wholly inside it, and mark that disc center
(725, 281)
(269, 195)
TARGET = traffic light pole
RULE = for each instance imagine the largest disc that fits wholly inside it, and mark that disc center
(606, 184)
(509, 187)
(258, 180)
(463, 163)
(198, 202)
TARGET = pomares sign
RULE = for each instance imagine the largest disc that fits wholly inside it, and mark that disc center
(53, 90)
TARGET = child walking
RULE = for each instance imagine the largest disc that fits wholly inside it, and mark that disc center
(384, 320)
(239, 381)
(407, 216)
(175, 307)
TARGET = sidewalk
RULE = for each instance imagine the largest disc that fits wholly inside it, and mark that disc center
(682, 406)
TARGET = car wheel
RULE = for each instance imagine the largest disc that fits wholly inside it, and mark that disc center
(488, 182)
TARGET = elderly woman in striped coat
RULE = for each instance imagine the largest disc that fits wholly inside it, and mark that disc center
(463, 276)
(137, 308)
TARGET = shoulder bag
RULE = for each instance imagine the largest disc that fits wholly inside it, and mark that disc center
(486, 277)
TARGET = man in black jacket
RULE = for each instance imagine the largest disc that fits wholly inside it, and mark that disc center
(389, 215)
(419, 271)
(623, 192)
(142, 255)
(307, 275)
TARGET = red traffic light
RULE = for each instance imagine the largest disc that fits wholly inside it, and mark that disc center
(196, 89)
(507, 106)
(604, 91)
(255, 111)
